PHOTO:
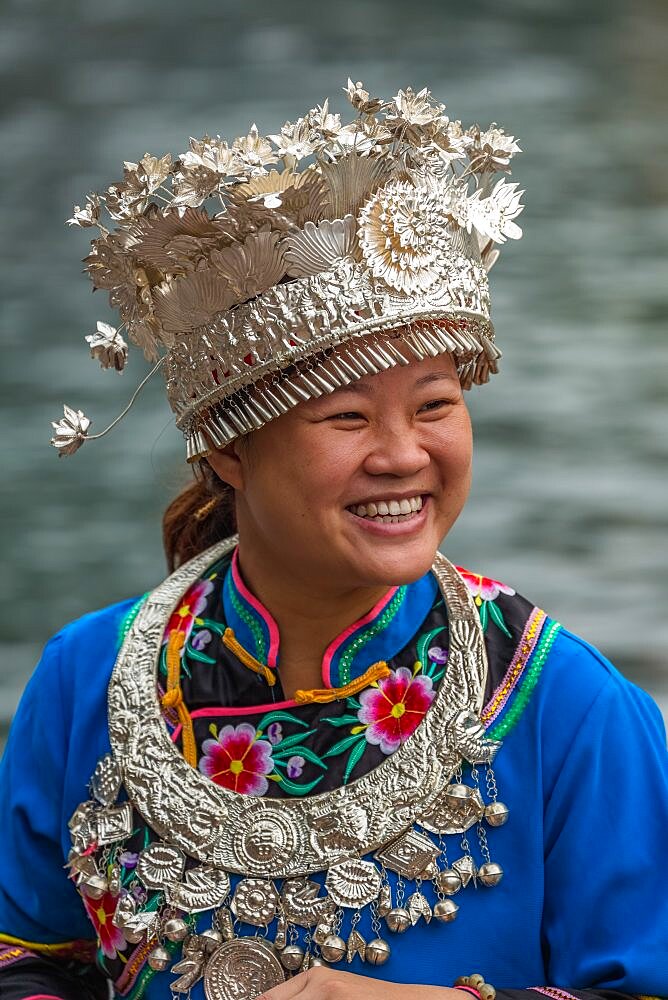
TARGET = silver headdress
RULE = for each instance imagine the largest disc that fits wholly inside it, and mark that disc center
(272, 270)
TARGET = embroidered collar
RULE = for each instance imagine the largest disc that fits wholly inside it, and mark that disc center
(378, 635)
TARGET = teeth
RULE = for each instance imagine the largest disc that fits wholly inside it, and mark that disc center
(390, 511)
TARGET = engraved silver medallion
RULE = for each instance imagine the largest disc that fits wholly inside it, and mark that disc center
(353, 883)
(265, 841)
(203, 888)
(410, 856)
(255, 901)
(160, 863)
(242, 969)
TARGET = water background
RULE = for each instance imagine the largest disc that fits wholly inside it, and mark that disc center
(569, 503)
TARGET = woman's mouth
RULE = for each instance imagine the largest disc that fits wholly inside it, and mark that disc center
(388, 511)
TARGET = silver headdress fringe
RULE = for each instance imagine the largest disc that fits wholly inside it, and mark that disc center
(368, 248)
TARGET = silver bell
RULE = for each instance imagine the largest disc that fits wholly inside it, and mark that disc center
(211, 938)
(490, 873)
(448, 881)
(175, 929)
(95, 886)
(398, 920)
(496, 813)
(457, 795)
(292, 957)
(315, 962)
(333, 948)
(377, 952)
(159, 959)
(445, 910)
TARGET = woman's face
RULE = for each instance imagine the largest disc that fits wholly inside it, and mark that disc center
(317, 489)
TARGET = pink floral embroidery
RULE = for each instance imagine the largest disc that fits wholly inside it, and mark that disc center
(101, 912)
(192, 605)
(393, 710)
(483, 587)
(237, 759)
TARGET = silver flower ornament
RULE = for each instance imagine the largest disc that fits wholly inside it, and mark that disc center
(108, 347)
(70, 431)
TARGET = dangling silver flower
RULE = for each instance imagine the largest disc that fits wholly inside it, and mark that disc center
(107, 345)
(493, 216)
(415, 116)
(253, 152)
(87, 216)
(295, 139)
(360, 100)
(71, 431)
(491, 150)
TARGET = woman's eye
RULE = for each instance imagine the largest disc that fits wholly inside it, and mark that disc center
(348, 415)
(433, 404)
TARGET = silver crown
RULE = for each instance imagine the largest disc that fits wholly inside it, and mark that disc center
(255, 287)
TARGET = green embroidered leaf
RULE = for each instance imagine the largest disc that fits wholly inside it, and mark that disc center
(277, 716)
(484, 615)
(291, 741)
(295, 789)
(423, 644)
(497, 617)
(355, 755)
(353, 703)
(303, 752)
(342, 745)
(342, 720)
(196, 655)
(216, 627)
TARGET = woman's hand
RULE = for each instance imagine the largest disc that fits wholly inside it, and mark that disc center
(322, 983)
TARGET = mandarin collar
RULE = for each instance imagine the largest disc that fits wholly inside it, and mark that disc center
(378, 635)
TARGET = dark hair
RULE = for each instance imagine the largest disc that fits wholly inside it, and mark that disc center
(202, 514)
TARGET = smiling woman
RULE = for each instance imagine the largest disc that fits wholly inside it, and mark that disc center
(319, 760)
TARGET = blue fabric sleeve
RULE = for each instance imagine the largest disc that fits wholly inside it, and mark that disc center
(606, 836)
(38, 903)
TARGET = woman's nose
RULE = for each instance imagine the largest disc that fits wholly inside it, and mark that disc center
(396, 450)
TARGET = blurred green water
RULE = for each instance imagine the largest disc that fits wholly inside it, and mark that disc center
(569, 500)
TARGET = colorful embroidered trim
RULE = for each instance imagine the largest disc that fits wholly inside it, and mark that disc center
(530, 656)
(323, 696)
(360, 641)
(11, 954)
(82, 951)
(553, 992)
(128, 619)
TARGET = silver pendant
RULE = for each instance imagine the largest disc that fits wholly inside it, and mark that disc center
(455, 810)
(95, 886)
(418, 906)
(266, 841)
(134, 925)
(255, 901)
(175, 929)
(159, 959)
(302, 903)
(159, 864)
(281, 936)
(353, 883)
(384, 900)
(410, 855)
(113, 823)
(465, 868)
(292, 957)
(223, 921)
(191, 965)
(106, 781)
(448, 881)
(333, 948)
(242, 969)
(202, 889)
(355, 945)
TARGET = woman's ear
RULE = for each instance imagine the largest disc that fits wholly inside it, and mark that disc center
(226, 463)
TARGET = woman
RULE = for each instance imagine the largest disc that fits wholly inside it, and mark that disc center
(322, 761)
